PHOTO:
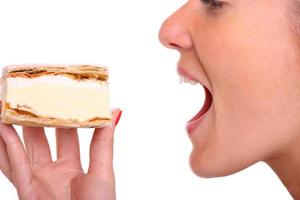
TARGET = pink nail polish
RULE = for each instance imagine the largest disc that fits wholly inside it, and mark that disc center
(118, 118)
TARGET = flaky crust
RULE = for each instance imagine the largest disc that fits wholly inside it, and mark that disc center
(74, 71)
(11, 116)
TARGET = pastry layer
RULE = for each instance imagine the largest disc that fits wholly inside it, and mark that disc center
(59, 96)
(76, 72)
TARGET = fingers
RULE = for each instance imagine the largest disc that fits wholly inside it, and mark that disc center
(19, 161)
(67, 144)
(101, 150)
(4, 161)
(36, 145)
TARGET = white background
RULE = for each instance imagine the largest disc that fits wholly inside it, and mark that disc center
(151, 147)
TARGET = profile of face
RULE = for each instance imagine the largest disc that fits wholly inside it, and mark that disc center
(244, 53)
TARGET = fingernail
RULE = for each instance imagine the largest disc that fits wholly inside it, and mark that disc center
(118, 118)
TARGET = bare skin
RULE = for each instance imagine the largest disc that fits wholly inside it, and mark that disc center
(286, 165)
(36, 176)
(246, 53)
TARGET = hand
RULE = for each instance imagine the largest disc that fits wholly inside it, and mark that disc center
(37, 177)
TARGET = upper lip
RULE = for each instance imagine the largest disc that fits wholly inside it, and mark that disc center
(185, 73)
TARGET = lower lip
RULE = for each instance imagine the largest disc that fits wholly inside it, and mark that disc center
(193, 125)
(197, 120)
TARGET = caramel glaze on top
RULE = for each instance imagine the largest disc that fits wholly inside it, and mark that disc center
(76, 72)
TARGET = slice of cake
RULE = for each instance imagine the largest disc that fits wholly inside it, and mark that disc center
(55, 96)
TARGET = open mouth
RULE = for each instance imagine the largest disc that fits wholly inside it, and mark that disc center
(195, 122)
(206, 105)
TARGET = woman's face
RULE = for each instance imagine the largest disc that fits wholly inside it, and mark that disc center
(244, 53)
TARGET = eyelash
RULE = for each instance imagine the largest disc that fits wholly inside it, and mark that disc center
(214, 4)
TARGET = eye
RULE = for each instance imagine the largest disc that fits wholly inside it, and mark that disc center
(214, 4)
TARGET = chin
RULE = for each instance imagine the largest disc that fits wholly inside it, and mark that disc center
(211, 167)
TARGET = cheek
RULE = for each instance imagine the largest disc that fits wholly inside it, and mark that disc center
(255, 90)
(251, 122)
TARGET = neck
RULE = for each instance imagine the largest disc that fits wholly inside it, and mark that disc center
(287, 166)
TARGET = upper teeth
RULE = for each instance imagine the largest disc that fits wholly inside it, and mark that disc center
(187, 80)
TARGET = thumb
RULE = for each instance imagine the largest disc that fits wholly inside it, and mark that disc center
(101, 149)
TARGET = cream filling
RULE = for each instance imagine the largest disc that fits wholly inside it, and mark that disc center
(59, 97)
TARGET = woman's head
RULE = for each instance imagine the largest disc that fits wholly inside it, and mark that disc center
(246, 54)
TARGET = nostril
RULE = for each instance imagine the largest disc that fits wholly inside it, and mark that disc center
(173, 45)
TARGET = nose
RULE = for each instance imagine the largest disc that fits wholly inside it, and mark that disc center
(174, 32)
